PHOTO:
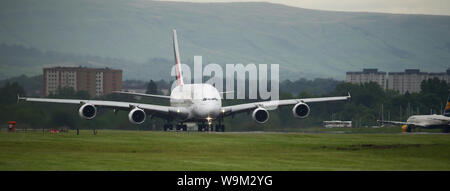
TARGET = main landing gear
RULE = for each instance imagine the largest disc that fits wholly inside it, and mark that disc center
(168, 127)
(203, 126)
(178, 127)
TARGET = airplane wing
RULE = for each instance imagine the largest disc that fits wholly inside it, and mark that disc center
(150, 109)
(394, 122)
(141, 94)
(228, 110)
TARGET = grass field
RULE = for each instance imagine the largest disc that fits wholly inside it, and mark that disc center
(146, 150)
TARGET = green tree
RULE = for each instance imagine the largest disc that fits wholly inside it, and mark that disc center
(70, 93)
(63, 118)
(9, 92)
(433, 95)
(435, 86)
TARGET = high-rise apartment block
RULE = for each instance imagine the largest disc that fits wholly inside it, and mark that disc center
(366, 76)
(96, 81)
(407, 81)
(411, 79)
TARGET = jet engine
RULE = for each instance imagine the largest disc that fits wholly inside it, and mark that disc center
(260, 115)
(87, 111)
(137, 116)
(301, 110)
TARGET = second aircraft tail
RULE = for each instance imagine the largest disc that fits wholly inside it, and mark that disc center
(447, 108)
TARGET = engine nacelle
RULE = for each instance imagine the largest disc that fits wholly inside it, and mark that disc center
(137, 116)
(87, 111)
(260, 115)
(301, 110)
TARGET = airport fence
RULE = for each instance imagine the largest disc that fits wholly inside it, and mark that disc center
(34, 130)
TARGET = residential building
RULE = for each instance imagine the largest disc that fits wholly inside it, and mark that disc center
(366, 76)
(96, 81)
(411, 79)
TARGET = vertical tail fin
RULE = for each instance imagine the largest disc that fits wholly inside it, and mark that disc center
(447, 108)
(177, 58)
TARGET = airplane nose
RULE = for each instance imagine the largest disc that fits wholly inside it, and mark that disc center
(206, 110)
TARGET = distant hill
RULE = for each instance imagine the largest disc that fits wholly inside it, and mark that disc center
(33, 86)
(17, 60)
(306, 43)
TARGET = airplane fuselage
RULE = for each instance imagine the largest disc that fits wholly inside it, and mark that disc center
(429, 120)
(201, 100)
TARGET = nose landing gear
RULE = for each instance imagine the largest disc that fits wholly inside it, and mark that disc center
(209, 127)
(220, 128)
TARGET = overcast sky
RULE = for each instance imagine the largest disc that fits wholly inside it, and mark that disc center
(433, 7)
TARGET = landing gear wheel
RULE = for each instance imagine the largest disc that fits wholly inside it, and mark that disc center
(220, 128)
(217, 128)
(211, 127)
(409, 129)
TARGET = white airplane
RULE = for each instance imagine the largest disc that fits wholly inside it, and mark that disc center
(426, 121)
(199, 103)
